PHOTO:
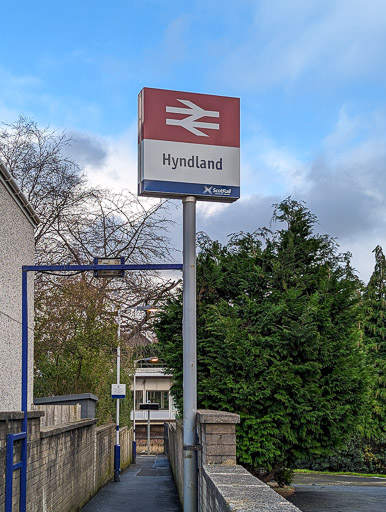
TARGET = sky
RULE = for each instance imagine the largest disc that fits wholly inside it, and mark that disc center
(310, 75)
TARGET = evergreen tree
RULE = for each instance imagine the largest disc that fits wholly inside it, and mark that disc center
(374, 301)
(278, 340)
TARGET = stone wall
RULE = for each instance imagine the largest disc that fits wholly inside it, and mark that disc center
(217, 437)
(228, 488)
(67, 464)
(175, 444)
(126, 443)
(223, 486)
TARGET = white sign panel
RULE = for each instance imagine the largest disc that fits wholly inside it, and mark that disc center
(189, 144)
(118, 390)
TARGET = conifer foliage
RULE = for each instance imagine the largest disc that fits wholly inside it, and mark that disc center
(278, 340)
(374, 302)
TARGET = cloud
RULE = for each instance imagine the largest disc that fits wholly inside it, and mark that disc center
(324, 42)
(246, 214)
(16, 84)
(343, 184)
(161, 61)
(87, 150)
(108, 162)
(28, 95)
(14, 91)
(348, 179)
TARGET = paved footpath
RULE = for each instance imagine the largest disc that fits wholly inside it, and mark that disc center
(145, 486)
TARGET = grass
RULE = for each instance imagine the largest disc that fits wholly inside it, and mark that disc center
(340, 473)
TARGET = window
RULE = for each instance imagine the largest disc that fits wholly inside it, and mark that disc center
(158, 397)
(138, 398)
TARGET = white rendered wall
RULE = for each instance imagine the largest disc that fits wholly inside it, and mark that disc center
(16, 249)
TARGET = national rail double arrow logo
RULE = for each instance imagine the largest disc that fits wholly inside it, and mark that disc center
(191, 122)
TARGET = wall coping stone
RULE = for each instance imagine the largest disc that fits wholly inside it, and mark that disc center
(108, 426)
(241, 491)
(209, 416)
(87, 402)
(64, 398)
(220, 469)
(53, 431)
(19, 415)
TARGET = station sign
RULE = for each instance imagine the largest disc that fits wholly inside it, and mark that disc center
(188, 144)
(149, 406)
(118, 390)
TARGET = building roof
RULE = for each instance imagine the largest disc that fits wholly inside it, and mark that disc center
(151, 372)
(12, 187)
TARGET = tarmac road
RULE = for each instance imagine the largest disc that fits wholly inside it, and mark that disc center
(330, 493)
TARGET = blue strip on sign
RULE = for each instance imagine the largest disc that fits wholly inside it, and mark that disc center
(118, 396)
(207, 191)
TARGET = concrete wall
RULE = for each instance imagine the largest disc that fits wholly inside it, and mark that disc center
(174, 449)
(66, 464)
(223, 486)
(16, 249)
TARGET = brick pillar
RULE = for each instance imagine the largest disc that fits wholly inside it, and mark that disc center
(217, 437)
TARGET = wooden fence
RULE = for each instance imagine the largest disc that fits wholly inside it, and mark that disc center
(58, 414)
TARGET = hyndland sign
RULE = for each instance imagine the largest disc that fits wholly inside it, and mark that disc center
(189, 144)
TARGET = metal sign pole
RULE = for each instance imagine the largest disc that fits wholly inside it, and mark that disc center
(189, 353)
(148, 432)
(134, 441)
(117, 447)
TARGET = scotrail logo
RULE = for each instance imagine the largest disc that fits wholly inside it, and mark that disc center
(217, 191)
(193, 113)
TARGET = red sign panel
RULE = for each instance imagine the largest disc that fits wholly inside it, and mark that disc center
(189, 117)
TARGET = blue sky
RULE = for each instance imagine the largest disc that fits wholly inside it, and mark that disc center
(311, 76)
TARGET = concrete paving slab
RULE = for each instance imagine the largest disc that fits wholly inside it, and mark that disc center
(145, 486)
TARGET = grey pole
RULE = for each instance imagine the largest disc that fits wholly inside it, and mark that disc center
(134, 441)
(148, 432)
(189, 353)
(117, 447)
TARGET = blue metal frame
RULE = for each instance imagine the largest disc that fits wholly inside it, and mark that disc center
(22, 436)
(85, 268)
(11, 467)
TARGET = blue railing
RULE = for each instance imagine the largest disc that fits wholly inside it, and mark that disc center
(22, 436)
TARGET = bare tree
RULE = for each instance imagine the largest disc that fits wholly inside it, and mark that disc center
(79, 222)
(112, 224)
(52, 182)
